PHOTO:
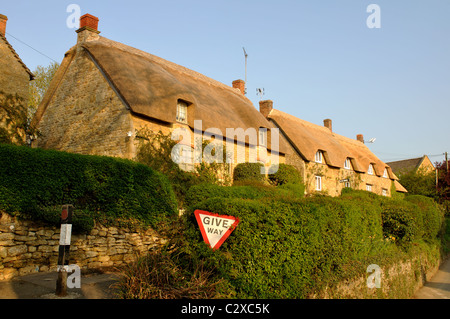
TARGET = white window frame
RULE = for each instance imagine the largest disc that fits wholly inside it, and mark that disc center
(369, 187)
(318, 183)
(370, 170)
(347, 163)
(384, 192)
(347, 184)
(319, 157)
(263, 137)
(182, 112)
(385, 173)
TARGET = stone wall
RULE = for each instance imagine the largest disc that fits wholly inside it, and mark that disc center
(29, 246)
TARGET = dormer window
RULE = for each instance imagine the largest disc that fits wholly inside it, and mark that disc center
(182, 112)
(318, 157)
(347, 164)
(370, 170)
(385, 173)
(262, 137)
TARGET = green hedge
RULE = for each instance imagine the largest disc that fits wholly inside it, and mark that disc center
(248, 172)
(291, 247)
(36, 182)
(285, 174)
(198, 193)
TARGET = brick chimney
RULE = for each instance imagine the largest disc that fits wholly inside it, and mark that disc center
(239, 84)
(360, 138)
(3, 20)
(88, 28)
(265, 107)
(327, 124)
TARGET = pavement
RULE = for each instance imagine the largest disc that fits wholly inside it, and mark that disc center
(438, 287)
(43, 286)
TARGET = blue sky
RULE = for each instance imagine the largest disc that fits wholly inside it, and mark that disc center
(314, 59)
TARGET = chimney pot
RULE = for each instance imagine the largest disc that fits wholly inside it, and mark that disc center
(327, 124)
(239, 84)
(3, 20)
(360, 138)
(88, 22)
(265, 107)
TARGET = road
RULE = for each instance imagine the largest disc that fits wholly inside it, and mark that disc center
(437, 287)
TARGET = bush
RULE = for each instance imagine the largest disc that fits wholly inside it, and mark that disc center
(429, 216)
(285, 248)
(285, 174)
(400, 220)
(249, 172)
(34, 181)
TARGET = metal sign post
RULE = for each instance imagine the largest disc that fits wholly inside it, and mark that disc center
(64, 248)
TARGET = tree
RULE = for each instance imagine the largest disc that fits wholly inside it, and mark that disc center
(419, 182)
(443, 187)
(38, 87)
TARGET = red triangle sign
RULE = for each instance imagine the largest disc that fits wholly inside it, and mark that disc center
(215, 228)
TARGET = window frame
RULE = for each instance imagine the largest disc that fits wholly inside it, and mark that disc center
(348, 163)
(369, 187)
(318, 183)
(370, 171)
(318, 158)
(182, 106)
(262, 137)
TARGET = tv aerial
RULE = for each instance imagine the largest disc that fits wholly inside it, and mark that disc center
(260, 92)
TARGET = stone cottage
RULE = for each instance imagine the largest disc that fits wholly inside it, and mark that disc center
(329, 161)
(14, 82)
(104, 91)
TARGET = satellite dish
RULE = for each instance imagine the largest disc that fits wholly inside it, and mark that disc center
(372, 140)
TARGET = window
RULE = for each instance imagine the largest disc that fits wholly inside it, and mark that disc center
(181, 112)
(347, 163)
(186, 158)
(262, 137)
(318, 157)
(384, 192)
(368, 187)
(385, 173)
(347, 184)
(370, 171)
(318, 183)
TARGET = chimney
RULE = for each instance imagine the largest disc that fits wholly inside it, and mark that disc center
(327, 124)
(360, 138)
(265, 107)
(88, 28)
(239, 84)
(3, 20)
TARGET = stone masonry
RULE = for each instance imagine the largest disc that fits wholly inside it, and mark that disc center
(29, 246)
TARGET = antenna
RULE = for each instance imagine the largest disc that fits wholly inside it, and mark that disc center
(246, 55)
(260, 92)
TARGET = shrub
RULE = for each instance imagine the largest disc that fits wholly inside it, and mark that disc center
(400, 220)
(285, 174)
(285, 248)
(34, 180)
(429, 216)
(249, 172)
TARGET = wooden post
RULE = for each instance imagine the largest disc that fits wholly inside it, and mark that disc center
(64, 248)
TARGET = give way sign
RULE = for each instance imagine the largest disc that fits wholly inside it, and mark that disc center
(215, 228)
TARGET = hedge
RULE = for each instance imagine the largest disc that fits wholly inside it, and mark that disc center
(292, 247)
(248, 172)
(198, 193)
(36, 182)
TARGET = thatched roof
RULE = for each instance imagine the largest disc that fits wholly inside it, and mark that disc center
(151, 86)
(308, 138)
(16, 56)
